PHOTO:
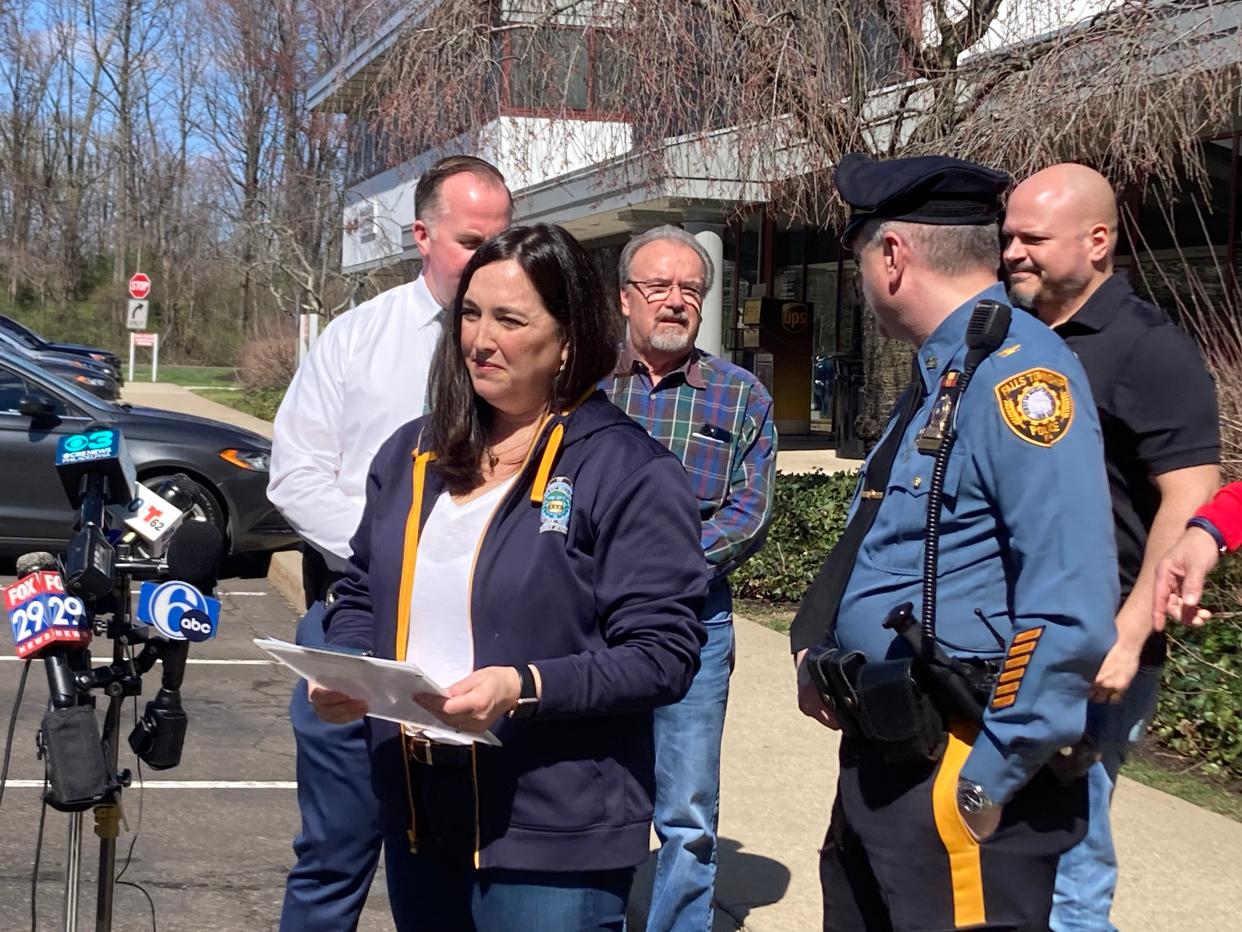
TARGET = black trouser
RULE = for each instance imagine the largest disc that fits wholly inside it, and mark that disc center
(898, 856)
(317, 579)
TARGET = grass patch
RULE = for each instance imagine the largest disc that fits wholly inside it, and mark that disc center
(1181, 777)
(260, 404)
(778, 616)
(191, 376)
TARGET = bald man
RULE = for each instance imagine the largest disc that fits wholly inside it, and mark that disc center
(1157, 407)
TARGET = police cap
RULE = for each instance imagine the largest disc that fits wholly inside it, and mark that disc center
(932, 189)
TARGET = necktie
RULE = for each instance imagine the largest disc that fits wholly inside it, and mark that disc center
(816, 620)
(442, 318)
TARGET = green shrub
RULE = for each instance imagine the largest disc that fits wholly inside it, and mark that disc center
(808, 516)
(1200, 711)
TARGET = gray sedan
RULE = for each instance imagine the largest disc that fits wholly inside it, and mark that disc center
(37, 409)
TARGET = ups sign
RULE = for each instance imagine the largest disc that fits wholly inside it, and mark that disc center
(795, 317)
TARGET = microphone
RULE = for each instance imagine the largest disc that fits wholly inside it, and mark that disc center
(179, 611)
(41, 614)
(69, 740)
(154, 514)
(96, 464)
(195, 553)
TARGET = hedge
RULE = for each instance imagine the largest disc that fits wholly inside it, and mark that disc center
(1200, 712)
(808, 515)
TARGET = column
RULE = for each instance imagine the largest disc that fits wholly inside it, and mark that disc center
(711, 332)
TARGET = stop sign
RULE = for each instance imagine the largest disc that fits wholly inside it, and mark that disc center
(139, 286)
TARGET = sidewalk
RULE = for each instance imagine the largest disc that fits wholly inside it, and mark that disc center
(1178, 862)
(175, 398)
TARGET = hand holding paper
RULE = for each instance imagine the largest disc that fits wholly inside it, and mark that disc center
(376, 687)
(475, 703)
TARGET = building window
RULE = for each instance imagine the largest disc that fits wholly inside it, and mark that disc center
(366, 223)
(551, 70)
(1181, 241)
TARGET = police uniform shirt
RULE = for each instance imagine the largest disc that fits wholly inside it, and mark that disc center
(1157, 408)
(1026, 541)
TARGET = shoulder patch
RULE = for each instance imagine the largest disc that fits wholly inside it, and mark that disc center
(1037, 405)
(558, 499)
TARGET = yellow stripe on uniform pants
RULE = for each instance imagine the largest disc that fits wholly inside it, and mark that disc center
(965, 867)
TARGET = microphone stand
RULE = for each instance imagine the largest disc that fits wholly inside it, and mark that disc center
(119, 680)
(108, 815)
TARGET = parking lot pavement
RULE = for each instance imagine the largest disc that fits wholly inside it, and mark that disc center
(214, 834)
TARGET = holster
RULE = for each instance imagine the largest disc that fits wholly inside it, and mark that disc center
(881, 702)
(898, 715)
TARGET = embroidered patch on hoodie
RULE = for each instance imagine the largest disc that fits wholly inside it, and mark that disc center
(558, 500)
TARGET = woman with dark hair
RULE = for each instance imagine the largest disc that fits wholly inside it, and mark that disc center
(532, 547)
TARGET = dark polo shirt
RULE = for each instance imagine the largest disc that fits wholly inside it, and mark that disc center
(1157, 407)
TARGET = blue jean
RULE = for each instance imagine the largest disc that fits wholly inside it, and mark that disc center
(687, 803)
(433, 895)
(1087, 873)
(339, 845)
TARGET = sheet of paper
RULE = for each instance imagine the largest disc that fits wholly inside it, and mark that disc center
(384, 685)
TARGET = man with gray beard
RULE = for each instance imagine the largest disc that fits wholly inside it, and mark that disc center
(717, 419)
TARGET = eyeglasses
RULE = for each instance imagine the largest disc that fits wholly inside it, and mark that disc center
(659, 292)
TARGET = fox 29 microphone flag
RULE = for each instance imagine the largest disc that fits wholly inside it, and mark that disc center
(41, 614)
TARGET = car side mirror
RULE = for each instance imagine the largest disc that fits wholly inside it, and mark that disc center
(36, 405)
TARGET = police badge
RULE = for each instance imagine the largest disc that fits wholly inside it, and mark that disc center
(558, 499)
(1037, 405)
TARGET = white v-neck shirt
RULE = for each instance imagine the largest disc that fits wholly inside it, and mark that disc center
(440, 639)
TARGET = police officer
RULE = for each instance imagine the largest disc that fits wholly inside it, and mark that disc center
(957, 661)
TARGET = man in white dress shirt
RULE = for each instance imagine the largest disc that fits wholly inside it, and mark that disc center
(364, 378)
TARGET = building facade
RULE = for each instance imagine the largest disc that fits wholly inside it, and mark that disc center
(581, 165)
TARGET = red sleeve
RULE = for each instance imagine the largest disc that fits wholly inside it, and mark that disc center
(1225, 512)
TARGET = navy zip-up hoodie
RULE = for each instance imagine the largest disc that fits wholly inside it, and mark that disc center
(605, 604)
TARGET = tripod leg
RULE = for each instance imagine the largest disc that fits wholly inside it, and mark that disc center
(73, 871)
(107, 827)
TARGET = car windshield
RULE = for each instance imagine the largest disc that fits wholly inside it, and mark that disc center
(27, 335)
(10, 342)
(34, 373)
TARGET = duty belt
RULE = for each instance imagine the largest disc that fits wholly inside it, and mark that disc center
(902, 706)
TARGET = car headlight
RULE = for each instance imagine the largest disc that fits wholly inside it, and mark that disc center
(87, 380)
(255, 460)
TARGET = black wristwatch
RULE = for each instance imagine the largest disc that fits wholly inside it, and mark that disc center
(528, 698)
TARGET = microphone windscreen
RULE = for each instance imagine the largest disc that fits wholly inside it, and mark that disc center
(35, 562)
(194, 553)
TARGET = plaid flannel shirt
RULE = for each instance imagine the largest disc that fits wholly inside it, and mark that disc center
(717, 419)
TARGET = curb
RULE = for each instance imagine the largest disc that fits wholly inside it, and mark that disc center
(285, 575)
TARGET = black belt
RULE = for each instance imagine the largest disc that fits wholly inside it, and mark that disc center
(434, 754)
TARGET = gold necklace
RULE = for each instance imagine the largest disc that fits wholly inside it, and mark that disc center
(495, 454)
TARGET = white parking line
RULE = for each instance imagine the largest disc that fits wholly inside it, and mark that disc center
(205, 660)
(180, 785)
(220, 593)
